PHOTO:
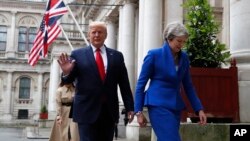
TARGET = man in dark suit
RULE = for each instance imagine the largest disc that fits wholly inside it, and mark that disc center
(97, 70)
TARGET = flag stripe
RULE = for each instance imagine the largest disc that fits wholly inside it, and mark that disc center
(48, 31)
(53, 33)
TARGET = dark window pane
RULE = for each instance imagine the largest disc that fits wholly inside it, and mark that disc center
(3, 36)
(24, 88)
(2, 46)
(26, 38)
(32, 38)
(3, 29)
(21, 38)
(21, 47)
(23, 114)
(33, 30)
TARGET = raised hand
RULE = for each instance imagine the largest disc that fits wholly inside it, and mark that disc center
(66, 63)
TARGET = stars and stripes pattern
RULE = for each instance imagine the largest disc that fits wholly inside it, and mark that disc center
(48, 30)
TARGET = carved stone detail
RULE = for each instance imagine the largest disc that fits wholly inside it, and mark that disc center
(3, 20)
(27, 20)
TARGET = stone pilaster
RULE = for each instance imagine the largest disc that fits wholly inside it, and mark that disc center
(152, 25)
(128, 35)
(173, 11)
(111, 40)
(140, 48)
(240, 49)
(39, 90)
(120, 29)
(8, 99)
(11, 41)
(54, 82)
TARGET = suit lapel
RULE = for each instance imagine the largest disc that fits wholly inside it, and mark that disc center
(168, 60)
(110, 60)
(181, 65)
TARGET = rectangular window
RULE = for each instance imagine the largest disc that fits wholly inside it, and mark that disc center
(23, 114)
(24, 88)
(26, 38)
(3, 38)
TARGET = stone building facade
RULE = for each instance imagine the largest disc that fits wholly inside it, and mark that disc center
(22, 87)
(25, 89)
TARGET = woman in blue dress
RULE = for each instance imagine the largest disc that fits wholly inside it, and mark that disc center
(167, 68)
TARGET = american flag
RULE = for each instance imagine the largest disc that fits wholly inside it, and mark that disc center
(48, 31)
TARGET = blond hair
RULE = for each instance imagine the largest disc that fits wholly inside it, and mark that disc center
(98, 24)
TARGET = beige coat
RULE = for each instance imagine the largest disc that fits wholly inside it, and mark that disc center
(61, 132)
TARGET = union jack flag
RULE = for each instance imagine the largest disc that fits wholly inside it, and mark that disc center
(48, 31)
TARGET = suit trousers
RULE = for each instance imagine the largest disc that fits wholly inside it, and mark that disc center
(165, 123)
(101, 130)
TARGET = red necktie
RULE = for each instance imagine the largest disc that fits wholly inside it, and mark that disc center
(100, 64)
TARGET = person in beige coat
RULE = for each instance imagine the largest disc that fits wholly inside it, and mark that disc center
(64, 129)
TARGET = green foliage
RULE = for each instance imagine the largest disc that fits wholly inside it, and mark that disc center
(44, 109)
(203, 47)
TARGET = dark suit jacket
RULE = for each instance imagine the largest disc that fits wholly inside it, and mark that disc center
(165, 81)
(90, 87)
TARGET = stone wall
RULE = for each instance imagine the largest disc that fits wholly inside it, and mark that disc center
(195, 132)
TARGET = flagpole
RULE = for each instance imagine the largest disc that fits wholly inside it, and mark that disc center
(66, 37)
(79, 28)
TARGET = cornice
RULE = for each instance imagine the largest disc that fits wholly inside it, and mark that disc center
(20, 61)
(94, 10)
(112, 15)
(22, 6)
(21, 65)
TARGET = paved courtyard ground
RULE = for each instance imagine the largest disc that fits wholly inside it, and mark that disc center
(27, 134)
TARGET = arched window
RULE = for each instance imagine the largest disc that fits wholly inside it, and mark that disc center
(24, 88)
(27, 26)
(26, 38)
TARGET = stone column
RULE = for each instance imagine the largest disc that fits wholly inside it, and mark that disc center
(120, 29)
(140, 54)
(173, 11)
(128, 39)
(54, 82)
(120, 45)
(8, 93)
(10, 50)
(127, 46)
(240, 49)
(7, 99)
(226, 23)
(216, 3)
(112, 37)
(152, 25)
(136, 53)
(39, 90)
